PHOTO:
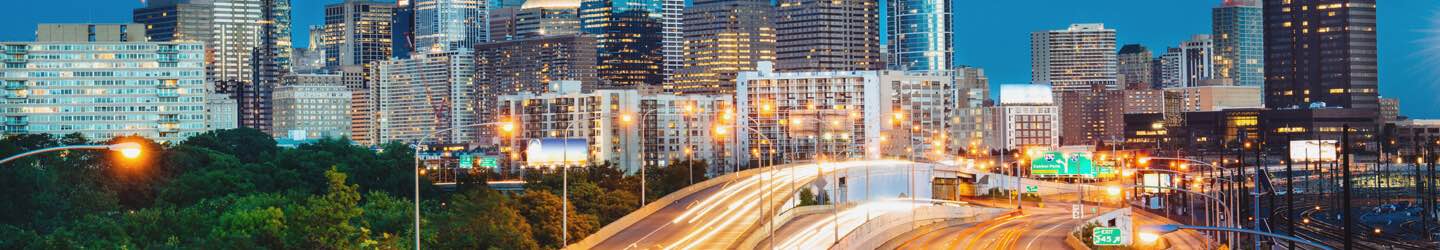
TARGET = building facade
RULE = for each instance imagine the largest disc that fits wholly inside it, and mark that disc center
(1320, 54)
(1212, 98)
(722, 39)
(312, 106)
(844, 115)
(357, 32)
(1239, 42)
(446, 25)
(1026, 117)
(103, 90)
(529, 66)
(402, 29)
(640, 42)
(1133, 66)
(424, 94)
(89, 32)
(1074, 59)
(816, 35)
(534, 19)
(922, 35)
(970, 123)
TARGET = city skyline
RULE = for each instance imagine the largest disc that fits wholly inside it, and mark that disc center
(1404, 29)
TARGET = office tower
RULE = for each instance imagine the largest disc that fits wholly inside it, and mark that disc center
(529, 66)
(362, 104)
(1239, 42)
(312, 106)
(535, 18)
(357, 32)
(622, 126)
(839, 115)
(639, 43)
(1320, 54)
(816, 35)
(722, 39)
(1025, 117)
(1191, 64)
(402, 29)
(1119, 103)
(1134, 66)
(921, 35)
(445, 25)
(970, 123)
(103, 90)
(247, 51)
(426, 93)
(86, 32)
(503, 4)
(1074, 59)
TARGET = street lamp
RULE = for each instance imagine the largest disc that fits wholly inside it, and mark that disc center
(506, 127)
(1152, 232)
(129, 150)
(627, 119)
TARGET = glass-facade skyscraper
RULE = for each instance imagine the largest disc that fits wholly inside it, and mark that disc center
(1239, 37)
(638, 41)
(921, 35)
(449, 25)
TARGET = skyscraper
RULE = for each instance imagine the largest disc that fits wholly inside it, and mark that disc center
(446, 25)
(357, 32)
(817, 35)
(534, 19)
(1134, 66)
(1194, 63)
(1321, 54)
(529, 66)
(426, 93)
(639, 43)
(722, 39)
(247, 50)
(1239, 42)
(921, 35)
(1073, 59)
(402, 29)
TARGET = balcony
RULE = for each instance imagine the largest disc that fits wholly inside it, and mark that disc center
(167, 50)
(16, 50)
(169, 120)
(15, 86)
(15, 96)
(167, 94)
(16, 131)
(19, 59)
(16, 122)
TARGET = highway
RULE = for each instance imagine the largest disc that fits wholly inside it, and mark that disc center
(719, 217)
(1036, 228)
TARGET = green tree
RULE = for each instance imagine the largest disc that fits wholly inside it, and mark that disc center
(324, 222)
(482, 219)
(807, 197)
(246, 144)
(673, 177)
(387, 215)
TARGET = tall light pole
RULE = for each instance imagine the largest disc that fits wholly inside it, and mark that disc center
(128, 150)
(506, 127)
(629, 120)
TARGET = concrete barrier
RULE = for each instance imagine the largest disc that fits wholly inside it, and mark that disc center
(875, 232)
(753, 238)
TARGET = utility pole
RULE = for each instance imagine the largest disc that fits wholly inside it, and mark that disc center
(1255, 196)
(1345, 198)
(1290, 194)
(1420, 185)
(1430, 164)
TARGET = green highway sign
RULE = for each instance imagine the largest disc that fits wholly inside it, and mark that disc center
(1107, 236)
(489, 162)
(1032, 189)
(1057, 163)
(465, 160)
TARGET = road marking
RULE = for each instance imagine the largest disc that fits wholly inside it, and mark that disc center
(1031, 245)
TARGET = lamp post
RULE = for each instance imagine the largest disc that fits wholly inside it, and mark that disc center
(1116, 190)
(129, 150)
(769, 200)
(629, 120)
(506, 127)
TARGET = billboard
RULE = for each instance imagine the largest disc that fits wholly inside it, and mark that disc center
(1313, 150)
(547, 152)
(1061, 163)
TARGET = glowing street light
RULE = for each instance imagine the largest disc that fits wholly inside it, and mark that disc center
(128, 150)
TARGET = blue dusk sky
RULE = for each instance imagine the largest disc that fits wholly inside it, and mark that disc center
(993, 35)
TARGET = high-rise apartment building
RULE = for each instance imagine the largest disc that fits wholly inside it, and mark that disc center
(535, 18)
(1239, 42)
(621, 126)
(921, 35)
(247, 50)
(640, 43)
(102, 90)
(424, 94)
(88, 32)
(844, 115)
(1134, 66)
(970, 123)
(357, 32)
(818, 35)
(446, 25)
(722, 39)
(529, 66)
(312, 106)
(1119, 103)
(1074, 59)
(1193, 64)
